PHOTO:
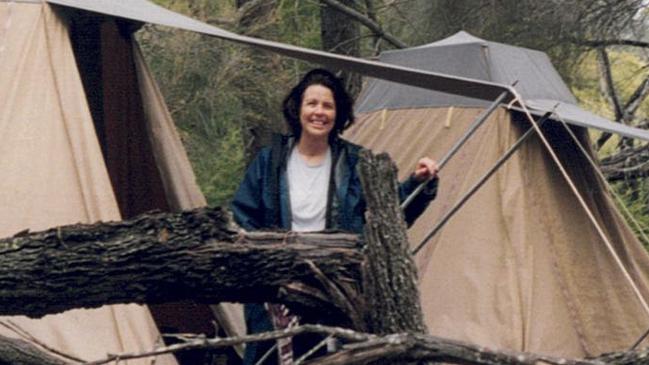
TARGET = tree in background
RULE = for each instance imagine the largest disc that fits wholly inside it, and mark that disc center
(225, 98)
(341, 34)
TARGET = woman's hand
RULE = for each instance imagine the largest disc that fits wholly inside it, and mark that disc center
(426, 169)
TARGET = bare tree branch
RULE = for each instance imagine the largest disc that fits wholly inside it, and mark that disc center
(371, 14)
(611, 42)
(631, 163)
(202, 342)
(638, 96)
(607, 85)
(362, 348)
(408, 347)
(607, 88)
(369, 23)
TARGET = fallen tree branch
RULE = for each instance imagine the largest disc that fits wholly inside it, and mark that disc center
(636, 99)
(362, 348)
(164, 257)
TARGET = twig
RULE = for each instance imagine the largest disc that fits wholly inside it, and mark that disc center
(313, 350)
(338, 297)
(369, 23)
(212, 343)
(267, 354)
(413, 347)
(362, 348)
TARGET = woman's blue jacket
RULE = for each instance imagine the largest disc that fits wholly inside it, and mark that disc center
(262, 202)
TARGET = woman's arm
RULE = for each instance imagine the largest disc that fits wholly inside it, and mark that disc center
(426, 169)
(247, 204)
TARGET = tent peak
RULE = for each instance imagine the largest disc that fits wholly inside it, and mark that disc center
(461, 37)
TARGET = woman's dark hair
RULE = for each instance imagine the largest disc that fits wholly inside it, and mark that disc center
(344, 103)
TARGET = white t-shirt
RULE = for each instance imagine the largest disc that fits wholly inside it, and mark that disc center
(308, 189)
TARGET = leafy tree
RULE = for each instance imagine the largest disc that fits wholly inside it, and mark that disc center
(225, 98)
(195, 75)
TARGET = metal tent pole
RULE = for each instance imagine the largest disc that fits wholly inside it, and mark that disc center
(456, 147)
(480, 183)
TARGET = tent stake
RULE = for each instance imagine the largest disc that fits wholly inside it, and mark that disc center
(480, 183)
(456, 147)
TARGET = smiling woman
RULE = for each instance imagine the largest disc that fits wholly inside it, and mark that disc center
(317, 116)
(308, 182)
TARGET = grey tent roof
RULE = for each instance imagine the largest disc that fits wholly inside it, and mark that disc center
(464, 55)
(471, 87)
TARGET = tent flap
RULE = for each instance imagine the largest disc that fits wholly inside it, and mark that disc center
(53, 173)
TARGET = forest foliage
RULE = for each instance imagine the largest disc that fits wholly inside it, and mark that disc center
(225, 98)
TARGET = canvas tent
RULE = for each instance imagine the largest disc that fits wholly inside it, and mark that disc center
(520, 266)
(71, 137)
(85, 136)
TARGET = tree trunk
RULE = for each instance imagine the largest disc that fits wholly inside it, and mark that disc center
(164, 257)
(341, 34)
(257, 18)
(390, 275)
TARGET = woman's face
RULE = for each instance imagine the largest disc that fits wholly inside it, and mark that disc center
(317, 112)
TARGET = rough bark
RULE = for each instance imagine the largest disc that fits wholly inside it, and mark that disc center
(165, 257)
(389, 273)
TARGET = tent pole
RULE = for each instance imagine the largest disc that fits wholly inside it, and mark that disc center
(480, 183)
(456, 147)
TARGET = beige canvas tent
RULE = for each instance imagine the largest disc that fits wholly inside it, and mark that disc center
(504, 276)
(520, 266)
(85, 136)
